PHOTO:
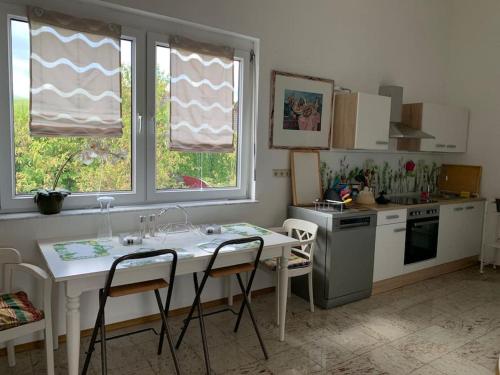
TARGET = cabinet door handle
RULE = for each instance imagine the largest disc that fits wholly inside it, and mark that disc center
(440, 145)
(469, 207)
(381, 142)
(451, 146)
(397, 230)
(389, 217)
(458, 208)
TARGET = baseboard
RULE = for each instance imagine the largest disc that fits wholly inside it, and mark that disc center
(137, 321)
(427, 273)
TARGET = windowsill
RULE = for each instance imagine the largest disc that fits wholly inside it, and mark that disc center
(122, 209)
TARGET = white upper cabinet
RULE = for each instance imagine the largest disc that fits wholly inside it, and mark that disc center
(449, 125)
(361, 121)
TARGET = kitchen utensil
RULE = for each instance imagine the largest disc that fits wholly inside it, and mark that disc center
(365, 196)
(381, 199)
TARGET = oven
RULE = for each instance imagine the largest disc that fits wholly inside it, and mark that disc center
(421, 234)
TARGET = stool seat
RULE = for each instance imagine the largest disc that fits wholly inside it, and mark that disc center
(134, 288)
(231, 270)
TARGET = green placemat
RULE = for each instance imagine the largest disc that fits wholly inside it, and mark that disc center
(245, 229)
(76, 250)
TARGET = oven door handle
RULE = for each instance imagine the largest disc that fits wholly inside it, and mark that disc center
(420, 225)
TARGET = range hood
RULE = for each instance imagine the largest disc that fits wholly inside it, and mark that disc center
(397, 129)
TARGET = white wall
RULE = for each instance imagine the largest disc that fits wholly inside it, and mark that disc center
(474, 81)
(359, 43)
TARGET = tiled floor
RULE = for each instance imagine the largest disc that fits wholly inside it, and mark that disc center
(446, 325)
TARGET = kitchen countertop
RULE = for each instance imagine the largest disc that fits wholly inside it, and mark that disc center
(394, 206)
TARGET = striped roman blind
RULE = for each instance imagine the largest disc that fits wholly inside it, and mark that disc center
(201, 114)
(75, 76)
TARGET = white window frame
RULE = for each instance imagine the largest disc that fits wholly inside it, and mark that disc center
(245, 136)
(151, 30)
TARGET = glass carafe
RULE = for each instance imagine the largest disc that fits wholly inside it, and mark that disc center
(104, 231)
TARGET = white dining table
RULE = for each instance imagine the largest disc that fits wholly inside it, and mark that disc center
(82, 264)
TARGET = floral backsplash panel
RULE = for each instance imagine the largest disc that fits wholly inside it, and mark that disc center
(405, 174)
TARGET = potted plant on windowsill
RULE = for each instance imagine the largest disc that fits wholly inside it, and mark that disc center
(50, 201)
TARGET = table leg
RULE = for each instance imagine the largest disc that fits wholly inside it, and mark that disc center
(283, 295)
(55, 315)
(229, 291)
(73, 332)
(278, 275)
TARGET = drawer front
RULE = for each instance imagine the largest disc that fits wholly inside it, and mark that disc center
(391, 217)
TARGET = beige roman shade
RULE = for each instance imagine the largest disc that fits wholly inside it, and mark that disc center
(75, 76)
(201, 114)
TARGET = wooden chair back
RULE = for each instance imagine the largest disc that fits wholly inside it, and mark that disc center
(306, 233)
(8, 256)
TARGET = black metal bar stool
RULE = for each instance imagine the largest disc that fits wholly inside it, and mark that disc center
(220, 272)
(134, 288)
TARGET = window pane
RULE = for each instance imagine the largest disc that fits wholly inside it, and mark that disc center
(37, 159)
(188, 170)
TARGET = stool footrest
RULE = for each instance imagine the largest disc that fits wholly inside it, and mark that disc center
(130, 334)
(141, 287)
(215, 312)
(231, 270)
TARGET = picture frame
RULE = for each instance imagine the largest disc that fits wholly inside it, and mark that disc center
(301, 111)
(305, 177)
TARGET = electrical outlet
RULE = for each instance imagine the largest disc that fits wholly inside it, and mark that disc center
(281, 172)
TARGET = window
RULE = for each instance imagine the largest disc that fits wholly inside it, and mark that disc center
(140, 167)
(37, 159)
(188, 170)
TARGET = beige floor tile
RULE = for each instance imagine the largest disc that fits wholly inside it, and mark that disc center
(446, 325)
(427, 370)
(426, 345)
(483, 351)
(327, 352)
(360, 365)
(294, 361)
(23, 365)
(354, 338)
(229, 358)
(392, 361)
(453, 364)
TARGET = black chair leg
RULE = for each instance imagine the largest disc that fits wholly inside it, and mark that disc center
(188, 319)
(240, 314)
(162, 335)
(93, 338)
(104, 364)
(202, 325)
(247, 304)
(166, 330)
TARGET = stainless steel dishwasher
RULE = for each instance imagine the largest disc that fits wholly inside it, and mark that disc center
(343, 257)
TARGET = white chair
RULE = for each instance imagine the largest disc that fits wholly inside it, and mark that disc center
(301, 262)
(12, 325)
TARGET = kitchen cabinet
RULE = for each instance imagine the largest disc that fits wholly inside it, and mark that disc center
(473, 228)
(361, 121)
(449, 125)
(389, 244)
(460, 231)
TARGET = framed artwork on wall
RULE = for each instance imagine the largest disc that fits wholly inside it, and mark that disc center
(301, 111)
